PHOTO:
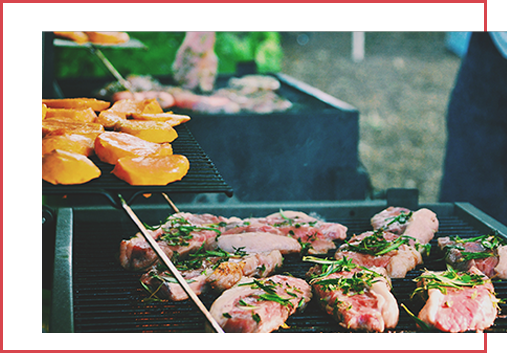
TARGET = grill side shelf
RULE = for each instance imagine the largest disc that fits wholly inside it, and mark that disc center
(202, 177)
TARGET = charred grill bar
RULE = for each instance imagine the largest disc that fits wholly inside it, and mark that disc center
(94, 294)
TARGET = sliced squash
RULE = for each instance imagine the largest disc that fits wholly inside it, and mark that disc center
(44, 110)
(152, 170)
(68, 168)
(111, 146)
(172, 119)
(78, 37)
(60, 127)
(75, 143)
(108, 118)
(151, 131)
(108, 37)
(77, 115)
(77, 103)
(131, 106)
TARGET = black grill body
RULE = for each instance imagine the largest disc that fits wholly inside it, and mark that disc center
(92, 293)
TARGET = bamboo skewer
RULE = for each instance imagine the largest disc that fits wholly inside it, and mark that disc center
(165, 259)
(170, 202)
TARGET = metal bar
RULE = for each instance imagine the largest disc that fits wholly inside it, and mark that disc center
(62, 306)
(170, 266)
(96, 51)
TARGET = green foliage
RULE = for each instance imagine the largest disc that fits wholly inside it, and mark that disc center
(231, 48)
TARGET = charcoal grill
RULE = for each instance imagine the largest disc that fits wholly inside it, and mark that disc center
(92, 293)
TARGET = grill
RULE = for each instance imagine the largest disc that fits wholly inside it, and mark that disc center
(92, 293)
(202, 177)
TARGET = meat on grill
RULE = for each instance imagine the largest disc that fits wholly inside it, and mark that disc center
(216, 272)
(184, 233)
(258, 242)
(421, 224)
(260, 306)
(136, 253)
(361, 250)
(315, 235)
(487, 253)
(358, 299)
(460, 308)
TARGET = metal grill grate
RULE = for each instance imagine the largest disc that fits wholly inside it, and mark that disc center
(202, 177)
(110, 299)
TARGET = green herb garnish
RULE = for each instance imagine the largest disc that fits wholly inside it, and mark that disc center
(376, 244)
(448, 279)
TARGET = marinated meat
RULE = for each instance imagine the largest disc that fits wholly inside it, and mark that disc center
(457, 301)
(488, 253)
(163, 285)
(136, 253)
(396, 254)
(258, 242)
(315, 236)
(421, 224)
(260, 306)
(392, 219)
(357, 298)
(216, 270)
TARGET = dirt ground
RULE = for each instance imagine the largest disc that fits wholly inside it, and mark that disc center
(401, 90)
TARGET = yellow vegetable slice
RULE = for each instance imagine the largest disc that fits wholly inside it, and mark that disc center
(108, 118)
(152, 170)
(60, 127)
(68, 168)
(69, 142)
(131, 106)
(172, 119)
(77, 103)
(77, 115)
(152, 131)
(111, 146)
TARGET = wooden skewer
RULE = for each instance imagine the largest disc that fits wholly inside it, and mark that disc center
(171, 203)
(165, 259)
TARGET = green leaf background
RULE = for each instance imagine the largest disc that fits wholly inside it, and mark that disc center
(231, 48)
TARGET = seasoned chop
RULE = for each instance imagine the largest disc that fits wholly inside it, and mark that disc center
(358, 298)
(421, 224)
(488, 253)
(260, 306)
(205, 269)
(315, 236)
(396, 254)
(457, 301)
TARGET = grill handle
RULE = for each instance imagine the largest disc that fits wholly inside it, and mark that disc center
(170, 266)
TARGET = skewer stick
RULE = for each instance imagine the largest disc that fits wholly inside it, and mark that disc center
(170, 266)
(126, 84)
(171, 202)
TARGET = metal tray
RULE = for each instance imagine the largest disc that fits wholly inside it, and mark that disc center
(92, 293)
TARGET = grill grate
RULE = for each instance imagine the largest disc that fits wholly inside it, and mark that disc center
(110, 299)
(202, 177)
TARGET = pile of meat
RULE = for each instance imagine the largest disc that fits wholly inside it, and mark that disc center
(250, 93)
(239, 259)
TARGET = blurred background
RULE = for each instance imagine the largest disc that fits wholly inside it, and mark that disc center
(399, 81)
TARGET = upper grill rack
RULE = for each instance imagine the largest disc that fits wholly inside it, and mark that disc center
(110, 299)
(202, 177)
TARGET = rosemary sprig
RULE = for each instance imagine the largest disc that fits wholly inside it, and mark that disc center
(448, 279)
(402, 218)
(376, 244)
